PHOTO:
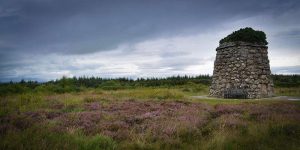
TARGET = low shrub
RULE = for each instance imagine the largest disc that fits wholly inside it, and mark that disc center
(246, 35)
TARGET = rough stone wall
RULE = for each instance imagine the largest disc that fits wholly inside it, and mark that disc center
(244, 66)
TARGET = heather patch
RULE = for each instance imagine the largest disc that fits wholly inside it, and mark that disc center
(78, 121)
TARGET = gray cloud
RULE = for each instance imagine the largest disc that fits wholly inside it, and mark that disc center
(74, 28)
(286, 70)
(81, 27)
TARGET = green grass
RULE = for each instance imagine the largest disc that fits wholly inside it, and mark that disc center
(148, 93)
(258, 136)
(21, 103)
(284, 91)
(36, 138)
(125, 119)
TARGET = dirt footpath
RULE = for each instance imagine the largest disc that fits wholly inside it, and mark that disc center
(291, 98)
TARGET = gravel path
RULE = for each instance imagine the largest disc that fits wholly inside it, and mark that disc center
(291, 98)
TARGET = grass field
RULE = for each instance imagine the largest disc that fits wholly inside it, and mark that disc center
(147, 118)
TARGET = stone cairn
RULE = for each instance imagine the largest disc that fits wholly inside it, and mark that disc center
(241, 70)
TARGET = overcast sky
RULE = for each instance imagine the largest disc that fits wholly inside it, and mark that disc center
(47, 39)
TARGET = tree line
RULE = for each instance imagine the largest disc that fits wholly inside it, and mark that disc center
(76, 84)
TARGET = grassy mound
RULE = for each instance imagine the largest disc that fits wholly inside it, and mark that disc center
(246, 35)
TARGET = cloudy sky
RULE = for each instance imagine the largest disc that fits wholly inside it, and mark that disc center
(47, 39)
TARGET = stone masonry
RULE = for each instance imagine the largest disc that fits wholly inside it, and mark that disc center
(244, 66)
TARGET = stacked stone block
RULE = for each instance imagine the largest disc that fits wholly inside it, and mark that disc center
(242, 65)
